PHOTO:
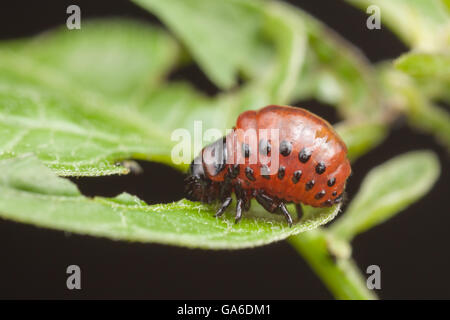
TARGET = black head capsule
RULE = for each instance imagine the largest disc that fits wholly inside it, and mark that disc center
(198, 183)
(196, 169)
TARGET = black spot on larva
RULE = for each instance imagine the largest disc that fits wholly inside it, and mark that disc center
(297, 175)
(265, 172)
(334, 194)
(309, 185)
(320, 167)
(233, 170)
(304, 155)
(285, 148)
(264, 147)
(281, 172)
(328, 203)
(331, 182)
(246, 150)
(338, 199)
(249, 174)
(320, 194)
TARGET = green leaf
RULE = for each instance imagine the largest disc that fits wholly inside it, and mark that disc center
(336, 73)
(289, 33)
(62, 97)
(68, 68)
(117, 58)
(446, 4)
(387, 190)
(436, 66)
(430, 118)
(406, 95)
(360, 137)
(340, 275)
(261, 40)
(422, 24)
(73, 136)
(32, 193)
(221, 35)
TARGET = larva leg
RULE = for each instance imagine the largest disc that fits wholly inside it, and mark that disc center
(225, 204)
(299, 209)
(239, 205)
(285, 212)
(267, 202)
(273, 206)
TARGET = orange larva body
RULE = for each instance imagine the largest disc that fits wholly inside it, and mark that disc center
(312, 166)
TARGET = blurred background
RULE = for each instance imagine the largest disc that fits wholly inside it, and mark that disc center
(411, 249)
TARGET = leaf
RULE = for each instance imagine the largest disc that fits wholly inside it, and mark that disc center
(436, 66)
(431, 118)
(360, 137)
(261, 40)
(405, 94)
(289, 33)
(48, 69)
(341, 276)
(422, 24)
(387, 190)
(221, 35)
(67, 108)
(273, 78)
(32, 193)
(446, 4)
(70, 135)
(117, 58)
(335, 72)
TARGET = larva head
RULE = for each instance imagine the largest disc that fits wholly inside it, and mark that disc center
(209, 164)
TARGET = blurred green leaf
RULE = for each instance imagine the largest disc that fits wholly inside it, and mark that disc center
(422, 24)
(289, 35)
(261, 40)
(360, 137)
(222, 36)
(118, 58)
(335, 72)
(411, 97)
(446, 4)
(436, 66)
(387, 190)
(431, 118)
(31, 193)
(75, 111)
(72, 136)
(341, 276)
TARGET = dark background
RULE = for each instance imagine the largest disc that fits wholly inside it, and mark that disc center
(411, 249)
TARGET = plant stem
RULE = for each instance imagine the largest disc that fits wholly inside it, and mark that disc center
(340, 275)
